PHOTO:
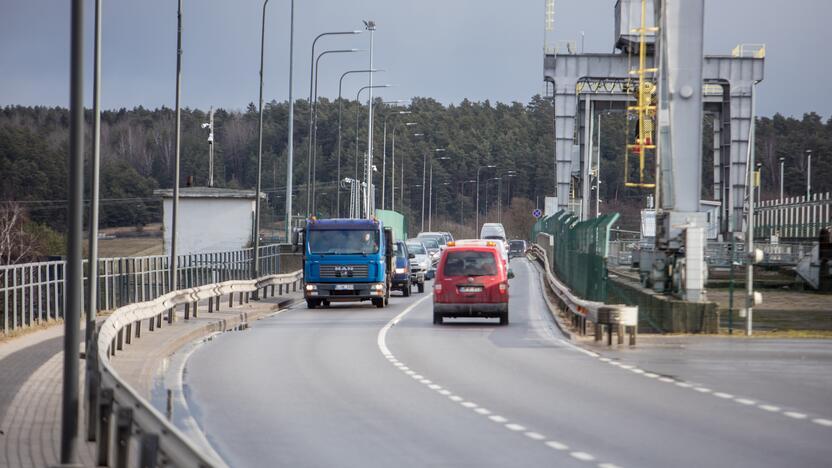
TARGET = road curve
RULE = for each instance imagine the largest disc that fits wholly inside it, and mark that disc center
(359, 386)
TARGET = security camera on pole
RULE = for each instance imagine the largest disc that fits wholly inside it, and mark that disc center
(210, 126)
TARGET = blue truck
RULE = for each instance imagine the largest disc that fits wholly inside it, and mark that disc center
(346, 260)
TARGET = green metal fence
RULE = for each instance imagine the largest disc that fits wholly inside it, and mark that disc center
(580, 251)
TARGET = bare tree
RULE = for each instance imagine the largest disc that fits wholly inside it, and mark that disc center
(16, 244)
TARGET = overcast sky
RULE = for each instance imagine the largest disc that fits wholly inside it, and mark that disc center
(445, 49)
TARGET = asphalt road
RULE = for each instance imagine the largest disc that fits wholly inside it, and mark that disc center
(359, 386)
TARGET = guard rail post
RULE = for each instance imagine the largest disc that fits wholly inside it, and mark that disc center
(105, 410)
(124, 424)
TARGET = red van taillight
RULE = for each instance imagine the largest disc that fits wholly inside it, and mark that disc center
(503, 288)
(437, 288)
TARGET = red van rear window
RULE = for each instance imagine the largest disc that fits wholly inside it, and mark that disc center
(470, 263)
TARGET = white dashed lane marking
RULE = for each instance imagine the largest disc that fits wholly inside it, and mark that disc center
(723, 395)
(511, 426)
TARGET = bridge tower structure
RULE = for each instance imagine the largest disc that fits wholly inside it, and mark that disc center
(601, 80)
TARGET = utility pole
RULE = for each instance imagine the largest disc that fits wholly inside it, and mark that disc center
(782, 161)
(255, 264)
(175, 216)
(749, 236)
(92, 283)
(291, 133)
(808, 174)
(74, 265)
(371, 26)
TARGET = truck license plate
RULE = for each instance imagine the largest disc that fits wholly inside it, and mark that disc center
(343, 287)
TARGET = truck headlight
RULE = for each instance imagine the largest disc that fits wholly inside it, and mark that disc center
(378, 286)
(311, 287)
(399, 271)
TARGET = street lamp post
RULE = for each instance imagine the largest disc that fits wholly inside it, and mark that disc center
(506, 174)
(393, 170)
(430, 191)
(782, 161)
(498, 179)
(808, 174)
(357, 110)
(314, 124)
(255, 265)
(402, 183)
(424, 169)
(477, 208)
(462, 201)
(290, 134)
(370, 26)
(340, 108)
(384, 155)
(311, 89)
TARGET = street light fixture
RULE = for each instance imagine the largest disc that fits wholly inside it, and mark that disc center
(393, 170)
(313, 131)
(424, 167)
(505, 175)
(340, 108)
(477, 208)
(366, 163)
(370, 25)
(430, 192)
(312, 63)
(384, 153)
(486, 194)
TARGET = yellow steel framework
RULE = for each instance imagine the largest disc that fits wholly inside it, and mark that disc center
(645, 108)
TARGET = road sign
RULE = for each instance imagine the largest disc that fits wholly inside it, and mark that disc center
(537, 213)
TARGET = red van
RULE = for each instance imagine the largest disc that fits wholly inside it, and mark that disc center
(471, 281)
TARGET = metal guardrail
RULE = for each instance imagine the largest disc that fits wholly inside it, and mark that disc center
(117, 404)
(718, 254)
(583, 311)
(33, 293)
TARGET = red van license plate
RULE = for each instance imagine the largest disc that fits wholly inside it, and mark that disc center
(470, 289)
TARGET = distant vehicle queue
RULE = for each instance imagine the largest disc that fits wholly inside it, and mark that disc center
(359, 260)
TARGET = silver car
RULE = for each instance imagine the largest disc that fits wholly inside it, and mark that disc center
(420, 265)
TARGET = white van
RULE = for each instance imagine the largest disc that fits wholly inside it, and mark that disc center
(493, 231)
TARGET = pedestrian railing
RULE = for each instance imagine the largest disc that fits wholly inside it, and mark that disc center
(126, 427)
(615, 318)
(33, 293)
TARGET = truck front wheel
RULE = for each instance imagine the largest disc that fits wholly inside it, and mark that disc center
(312, 303)
(378, 302)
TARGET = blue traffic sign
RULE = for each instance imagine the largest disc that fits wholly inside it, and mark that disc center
(537, 213)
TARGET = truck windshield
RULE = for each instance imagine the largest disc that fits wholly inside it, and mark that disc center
(470, 263)
(343, 242)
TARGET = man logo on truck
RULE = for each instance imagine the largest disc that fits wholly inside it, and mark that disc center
(343, 271)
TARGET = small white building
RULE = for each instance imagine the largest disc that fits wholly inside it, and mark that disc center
(210, 219)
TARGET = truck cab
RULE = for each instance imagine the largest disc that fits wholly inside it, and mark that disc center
(346, 260)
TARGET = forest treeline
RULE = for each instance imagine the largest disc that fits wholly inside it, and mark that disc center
(137, 153)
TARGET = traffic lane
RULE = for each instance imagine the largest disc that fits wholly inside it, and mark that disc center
(310, 388)
(528, 375)
(792, 374)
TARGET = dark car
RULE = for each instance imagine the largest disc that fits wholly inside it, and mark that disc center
(402, 281)
(517, 248)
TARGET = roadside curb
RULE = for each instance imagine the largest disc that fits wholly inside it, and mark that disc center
(553, 309)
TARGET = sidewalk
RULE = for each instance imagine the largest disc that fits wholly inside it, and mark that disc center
(31, 376)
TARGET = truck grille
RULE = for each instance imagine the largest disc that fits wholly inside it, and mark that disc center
(344, 271)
